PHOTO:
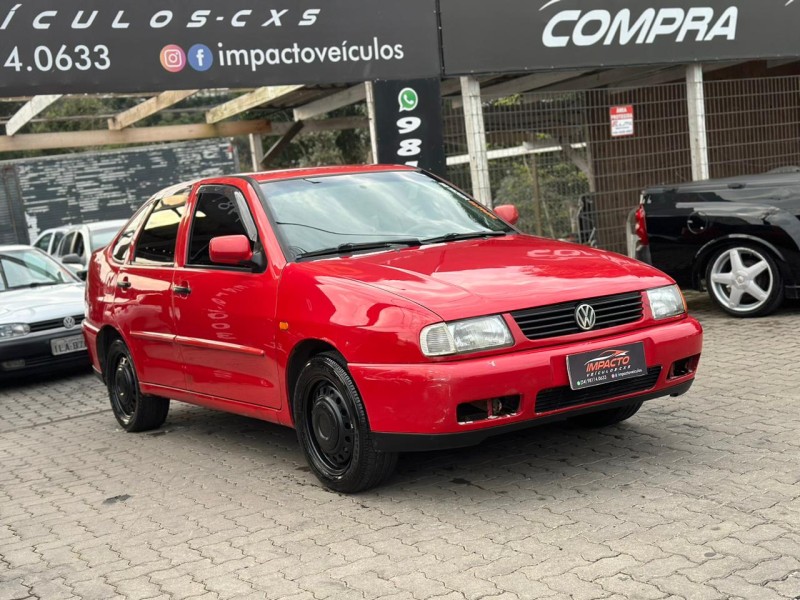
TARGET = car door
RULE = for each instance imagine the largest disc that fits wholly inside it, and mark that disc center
(143, 300)
(225, 316)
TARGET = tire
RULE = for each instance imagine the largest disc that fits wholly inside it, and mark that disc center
(133, 410)
(332, 428)
(745, 281)
(606, 418)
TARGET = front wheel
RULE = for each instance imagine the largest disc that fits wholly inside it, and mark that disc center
(133, 410)
(333, 430)
(745, 281)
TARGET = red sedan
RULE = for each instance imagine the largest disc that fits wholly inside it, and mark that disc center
(376, 310)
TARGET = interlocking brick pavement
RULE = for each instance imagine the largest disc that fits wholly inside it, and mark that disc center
(696, 497)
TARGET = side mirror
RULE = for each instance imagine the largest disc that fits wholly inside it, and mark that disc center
(507, 212)
(72, 259)
(233, 250)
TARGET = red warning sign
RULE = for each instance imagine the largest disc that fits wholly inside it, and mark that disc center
(622, 121)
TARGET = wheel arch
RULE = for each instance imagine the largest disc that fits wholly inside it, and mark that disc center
(105, 338)
(300, 355)
(703, 256)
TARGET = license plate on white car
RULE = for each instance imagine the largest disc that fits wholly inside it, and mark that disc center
(67, 345)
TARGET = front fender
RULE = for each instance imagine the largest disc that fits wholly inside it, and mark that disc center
(364, 323)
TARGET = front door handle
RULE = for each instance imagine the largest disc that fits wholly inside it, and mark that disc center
(124, 284)
(182, 290)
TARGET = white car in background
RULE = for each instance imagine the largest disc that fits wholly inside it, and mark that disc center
(41, 310)
(49, 239)
(81, 240)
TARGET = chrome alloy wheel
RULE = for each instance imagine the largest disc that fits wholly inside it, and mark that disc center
(741, 279)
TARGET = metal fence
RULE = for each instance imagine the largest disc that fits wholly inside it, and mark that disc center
(553, 154)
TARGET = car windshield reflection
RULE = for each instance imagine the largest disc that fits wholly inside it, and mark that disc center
(330, 215)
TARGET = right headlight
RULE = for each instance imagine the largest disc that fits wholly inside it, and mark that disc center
(666, 302)
(461, 337)
(12, 330)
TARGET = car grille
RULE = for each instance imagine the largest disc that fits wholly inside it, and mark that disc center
(559, 319)
(566, 397)
(54, 324)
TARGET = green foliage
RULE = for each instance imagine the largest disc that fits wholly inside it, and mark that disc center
(561, 185)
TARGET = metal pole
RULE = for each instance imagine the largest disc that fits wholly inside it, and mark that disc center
(373, 131)
(476, 140)
(257, 150)
(698, 135)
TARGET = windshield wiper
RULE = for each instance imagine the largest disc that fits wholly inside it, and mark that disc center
(348, 248)
(454, 237)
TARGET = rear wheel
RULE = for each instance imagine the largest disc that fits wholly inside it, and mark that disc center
(745, 281)
(333, 430)
(133, 410)
(606, 418)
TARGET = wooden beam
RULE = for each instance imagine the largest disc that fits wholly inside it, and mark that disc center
(357, 93)
(258, 97)
(136, 135)
(169, 133)
(670, 74)
(147, 108)
(278, 146)
(528, 83)
(23, 116)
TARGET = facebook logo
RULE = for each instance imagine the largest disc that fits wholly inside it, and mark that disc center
(200, 57)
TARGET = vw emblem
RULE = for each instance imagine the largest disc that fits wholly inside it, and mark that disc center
(69, 322)
(585, 317)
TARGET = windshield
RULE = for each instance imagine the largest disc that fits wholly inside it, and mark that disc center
(345, 211)
(102, 237)
(30, 268)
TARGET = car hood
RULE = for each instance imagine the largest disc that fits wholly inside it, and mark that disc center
(497, 275)
(32, 305)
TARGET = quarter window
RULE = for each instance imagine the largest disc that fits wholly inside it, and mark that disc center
(156, 244)
(43, 243)
(125, 240)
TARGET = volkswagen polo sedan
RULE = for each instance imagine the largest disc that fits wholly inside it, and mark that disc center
(41, 308)
(376, 310)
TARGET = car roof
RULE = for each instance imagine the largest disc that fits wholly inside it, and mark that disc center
(744, 181)
(324, 171)
(7, 247)
(98, 225)
(55, 229)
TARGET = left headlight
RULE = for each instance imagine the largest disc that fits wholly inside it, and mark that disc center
(666, 302)
(13, 330)
(470, 335)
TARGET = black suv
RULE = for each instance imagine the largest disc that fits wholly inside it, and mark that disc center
(738, 238)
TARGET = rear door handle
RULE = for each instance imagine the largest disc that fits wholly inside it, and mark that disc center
(182, 290)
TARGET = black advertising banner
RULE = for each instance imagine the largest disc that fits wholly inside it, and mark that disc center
(64, 46)
(408, 124)
(521, 35)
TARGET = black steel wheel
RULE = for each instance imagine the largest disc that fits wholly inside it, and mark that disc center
(133, 410)
(606, 418)
(333, 430)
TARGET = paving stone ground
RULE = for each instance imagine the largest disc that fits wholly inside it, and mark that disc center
(696, 497)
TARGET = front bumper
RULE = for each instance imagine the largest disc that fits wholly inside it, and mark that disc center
(415, 407)
(36, 357)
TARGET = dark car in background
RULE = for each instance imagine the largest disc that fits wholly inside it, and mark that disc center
(738, 238)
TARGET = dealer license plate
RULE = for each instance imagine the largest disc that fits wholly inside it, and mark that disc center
(606, 366)
(67, 345)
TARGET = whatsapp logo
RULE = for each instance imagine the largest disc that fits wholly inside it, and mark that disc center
(408, 100)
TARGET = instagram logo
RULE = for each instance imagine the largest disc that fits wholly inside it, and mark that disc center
(173, 58)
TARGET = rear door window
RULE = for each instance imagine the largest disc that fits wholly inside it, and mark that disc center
(156, 243)
(44, 243)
